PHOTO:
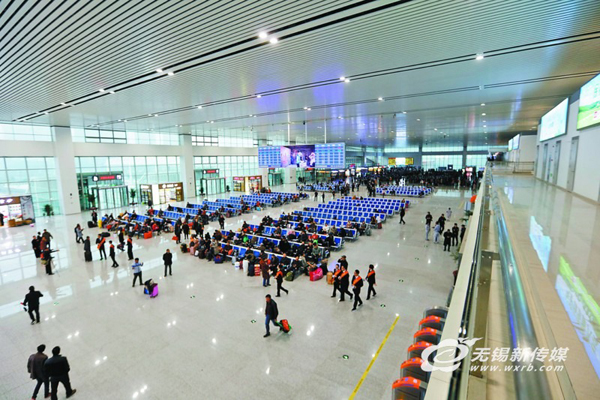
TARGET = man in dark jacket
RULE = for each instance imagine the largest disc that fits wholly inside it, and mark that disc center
(35, 244)
(344, 279)
(455, 230)
(371, 282)
(447, 240)
(357, 284)
(402, 214)
(271, 313)
(168, 260)
(32, 300)
(35, 367)
(112, 254)
(57, 369)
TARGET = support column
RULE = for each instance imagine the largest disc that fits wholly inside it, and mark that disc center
(186, 166)
(464, 156)
(66, 176)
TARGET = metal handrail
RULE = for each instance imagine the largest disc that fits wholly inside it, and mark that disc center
(533, 384)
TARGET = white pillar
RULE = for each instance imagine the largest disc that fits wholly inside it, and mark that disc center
(264, 173)
(66, 175)
(186, 166)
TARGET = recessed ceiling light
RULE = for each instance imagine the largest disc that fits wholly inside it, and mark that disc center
(380, 98)
(342, 78)
(170, 73)
(160, 71)
(101, 90)
(484, 120)
(273, 40)
(483, 114)
(199, 107)
(482, 104)
(212, 122)
(111, 92)
(403, 112)
(347, 80)
(418, 119)
(435, 129)
(45, 112)
(308, 109)
(250, 115)
(262, 35)
(258, 96)
(479, 56)
(156, 115)
(124, 120)
(485, 126)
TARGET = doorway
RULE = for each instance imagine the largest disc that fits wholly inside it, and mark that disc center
(556, 162)
(572, 163)
(111, 197)
(544, 161)
(213, 186)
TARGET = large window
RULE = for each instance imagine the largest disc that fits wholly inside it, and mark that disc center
(30, 175)
(229, 166)
(441, 147)
(25, 132)
(123, 137)
(476, 160)
(434, 162)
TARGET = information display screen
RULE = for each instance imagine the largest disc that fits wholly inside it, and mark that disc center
(554, 123)
(589, 104)
(330, 155)
(327, 155)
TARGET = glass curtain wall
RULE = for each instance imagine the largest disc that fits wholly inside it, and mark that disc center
(434, 162)
(135, 171)
(31, 175)
(228, 166)
(38, 133)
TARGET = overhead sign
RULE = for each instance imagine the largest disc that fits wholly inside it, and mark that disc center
(113, 177)
(210, 171)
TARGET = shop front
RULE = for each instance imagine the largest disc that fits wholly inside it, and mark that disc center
(247, 183)
(17, 210)
(161, 193)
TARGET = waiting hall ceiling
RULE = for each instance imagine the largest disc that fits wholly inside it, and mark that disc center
(411, 67)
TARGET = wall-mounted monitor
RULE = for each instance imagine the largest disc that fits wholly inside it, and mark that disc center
(554, 123)
(589, 104)
(329, 155)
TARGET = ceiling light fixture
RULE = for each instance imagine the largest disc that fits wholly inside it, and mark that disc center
(250, 115)
(212, 122)
(170, 73)
(380, 98)
(482, 104)
(120, 120)
(160, 71)
(111, 92)
(156, 115)
(258, 96)
(273, 40)
(342, 78)
(479, 56)
(347, 80)
(124, 120)
(45, 112)
(403, 112)
(262, 35)
(484, 114)
(418, 119)
(485, 126)
(308, 109)
(101, 90)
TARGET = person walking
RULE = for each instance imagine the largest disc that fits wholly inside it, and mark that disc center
(100, 245)
(271, 313)
(344, 283)
(47, 259)
(447, 240)
(436, 233)
(57, 368)
(137, 271)
(129, 248)
(448, 213)
(428, 218)
(87, 249)
(264, 269)
(323, 196)
(336, 283)
(279, 279)
(122, 239)
(371, 281)
(463, 229)
(402, 214)
(78, 234)
(221, 221)
(178, 232)
(35, 367)
(47, 236)
(32, 302)
(168, 260)
(357, 284)
(316, 195)
(427, 229)
(111, 252)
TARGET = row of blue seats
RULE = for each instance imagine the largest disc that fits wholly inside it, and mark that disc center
(262, 199)
(352, 234)
(382, 206)
(211, 207)
(260, 239)
(240, 251)
(343, 215)
(327, 207)
(371, 199)
(331, 221)
(269, 231)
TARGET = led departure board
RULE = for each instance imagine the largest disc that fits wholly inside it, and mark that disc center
(330, 155)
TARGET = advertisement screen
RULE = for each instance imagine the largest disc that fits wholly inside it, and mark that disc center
(554, 123)
(302, 156)
(589, 104)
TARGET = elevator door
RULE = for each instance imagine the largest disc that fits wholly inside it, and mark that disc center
(544, 161)
(556, 162)
(572, 163)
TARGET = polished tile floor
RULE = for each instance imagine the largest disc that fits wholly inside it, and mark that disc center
(556, 234)
(202, 337)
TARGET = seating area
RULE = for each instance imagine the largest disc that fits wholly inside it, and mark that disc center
(404, 190)
(354, 216)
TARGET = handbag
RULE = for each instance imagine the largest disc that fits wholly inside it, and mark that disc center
(174, 237)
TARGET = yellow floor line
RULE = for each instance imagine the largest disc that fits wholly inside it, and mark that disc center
(364, 375)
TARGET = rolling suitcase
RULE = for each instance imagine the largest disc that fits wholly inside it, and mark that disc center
(285, 325)
(105, 234)
(91, 224)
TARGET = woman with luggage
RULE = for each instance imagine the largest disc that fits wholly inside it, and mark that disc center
(87, 249)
